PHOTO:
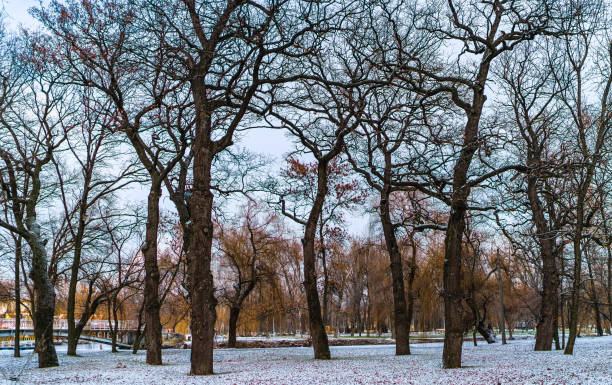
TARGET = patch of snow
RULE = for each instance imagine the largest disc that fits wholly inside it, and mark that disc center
(514, 363)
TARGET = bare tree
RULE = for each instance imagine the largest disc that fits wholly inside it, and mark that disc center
(228, 53)
(112, 55)
(530, 95)
(591, 124)
(33, 129)
(94, 150)
(483, 31)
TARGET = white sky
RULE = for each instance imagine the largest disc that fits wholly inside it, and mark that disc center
(17, 12)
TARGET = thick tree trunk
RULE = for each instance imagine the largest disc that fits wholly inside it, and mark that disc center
(18, 256)
(233, 321)
(400, 316)
(317, 329)
(151, 282)
(451, 274)
(44, 297)
(545, 325)
(203, 301)
(550, 276)
(453, 293)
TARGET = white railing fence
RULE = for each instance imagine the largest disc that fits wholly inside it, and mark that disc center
(62, 324)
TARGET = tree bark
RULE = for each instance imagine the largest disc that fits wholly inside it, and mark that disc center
(451, 274)
(453, 293)
(317, 329)
(233, 321)
(44, 297)
(151, 282)
(400, 316)
(203, 301)
(550, 276)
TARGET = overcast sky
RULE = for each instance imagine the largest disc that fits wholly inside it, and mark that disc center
(17, 12)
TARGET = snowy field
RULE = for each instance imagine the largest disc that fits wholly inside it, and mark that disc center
(514, 363)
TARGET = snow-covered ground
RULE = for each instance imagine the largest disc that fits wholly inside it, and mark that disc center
(515, 363)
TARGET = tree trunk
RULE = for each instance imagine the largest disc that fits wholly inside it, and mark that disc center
(72, 289)
(609, 263)
(137, 339)
(325, 279)
(317, 329)
(400, 316)
(595, 299)
(562, 311)
(233, 321)
(411, 277)
(609, 291)
(502, 312)
(44, 297)
(116, 325)
(556, 331)
(485, 332)
(577, 276)
(203, 301)
(90, 309)
(138, 336)
(151, 282)
(562, 303)
(76, 265)
(18, 256)
(110, 311)
(453, 293)
(550, 276)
